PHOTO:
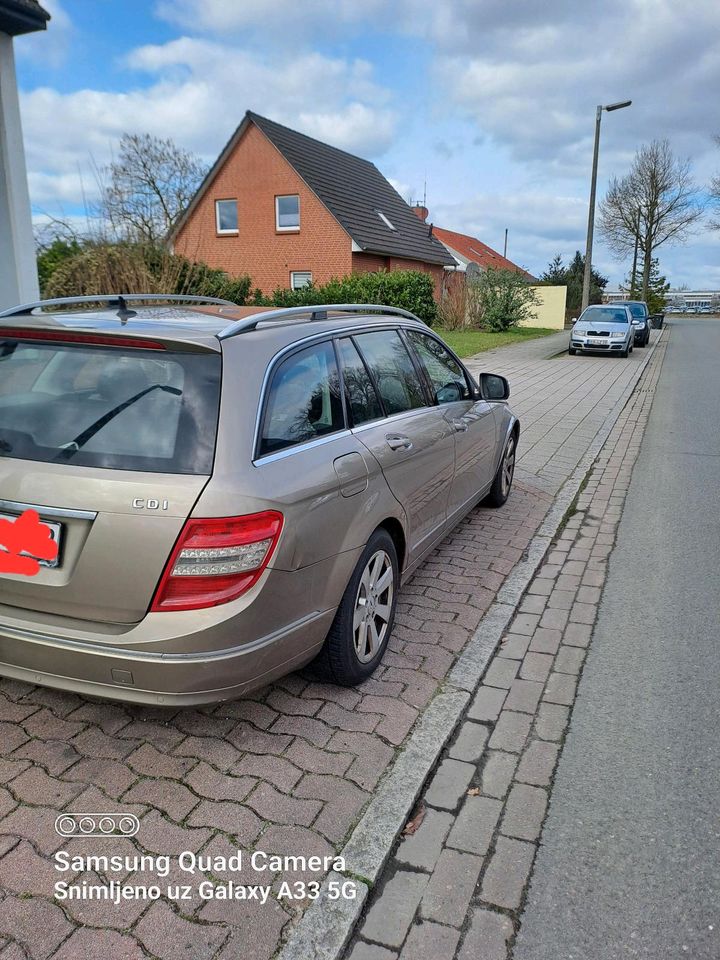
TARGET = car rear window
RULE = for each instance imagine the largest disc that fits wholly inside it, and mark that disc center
(124, 409)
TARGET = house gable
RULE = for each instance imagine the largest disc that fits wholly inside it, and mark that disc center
(252, 171)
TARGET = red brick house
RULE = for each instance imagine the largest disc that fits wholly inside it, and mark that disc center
(288, 209)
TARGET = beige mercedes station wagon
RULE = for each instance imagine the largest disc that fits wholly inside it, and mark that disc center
(232, 493)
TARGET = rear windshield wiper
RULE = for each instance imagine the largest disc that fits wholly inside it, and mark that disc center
(71, 448)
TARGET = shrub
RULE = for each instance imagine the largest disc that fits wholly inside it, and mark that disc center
(141, 268)
(53, 255)
(501, 299)
(408, 289)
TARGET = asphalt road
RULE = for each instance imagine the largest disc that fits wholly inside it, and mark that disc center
(630, 861)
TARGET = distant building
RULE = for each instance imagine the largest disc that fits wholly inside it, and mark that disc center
(676, 299)
(18, 270)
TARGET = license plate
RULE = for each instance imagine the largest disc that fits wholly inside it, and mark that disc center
(55, 532)
(597, 342)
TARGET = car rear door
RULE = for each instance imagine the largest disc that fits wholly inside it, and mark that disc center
(412, 440)
(110, 441)
(471, 420)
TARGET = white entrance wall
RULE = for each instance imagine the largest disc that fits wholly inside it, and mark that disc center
(18, 270)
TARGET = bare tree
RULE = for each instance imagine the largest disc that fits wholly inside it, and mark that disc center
(657, 202)
(145, 191)
(714, 192)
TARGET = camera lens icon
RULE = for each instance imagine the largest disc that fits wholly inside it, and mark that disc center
(97, 825)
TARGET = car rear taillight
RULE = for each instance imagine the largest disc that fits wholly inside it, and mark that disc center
(217, 560)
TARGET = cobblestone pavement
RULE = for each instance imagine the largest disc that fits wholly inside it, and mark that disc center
(455, 887)
(290, 769)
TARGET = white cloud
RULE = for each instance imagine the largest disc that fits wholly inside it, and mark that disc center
(221, 16)
(198, 93)
(51, 45)
(539, 225)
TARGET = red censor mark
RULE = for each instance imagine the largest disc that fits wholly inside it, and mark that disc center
(25, 535)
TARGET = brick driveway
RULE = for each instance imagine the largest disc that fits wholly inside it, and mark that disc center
(288, 770)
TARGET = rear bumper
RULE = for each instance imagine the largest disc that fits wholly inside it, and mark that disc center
(180, 679)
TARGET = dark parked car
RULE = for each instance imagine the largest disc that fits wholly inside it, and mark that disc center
(640, 320)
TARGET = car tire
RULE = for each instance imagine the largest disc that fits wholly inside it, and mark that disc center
(502, 482)
(571, 351)
(626, 352)
(353, 649)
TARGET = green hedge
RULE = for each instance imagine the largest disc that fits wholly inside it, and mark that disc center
(409, 289)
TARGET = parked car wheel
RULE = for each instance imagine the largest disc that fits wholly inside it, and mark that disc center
(500, 490)
(361, 630)
(571, 351)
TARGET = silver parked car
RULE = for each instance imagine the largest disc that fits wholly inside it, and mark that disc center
(605, 328)
(225, 495)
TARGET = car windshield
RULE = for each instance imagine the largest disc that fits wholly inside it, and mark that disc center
(107, 407)
(637, 310)
(604, 315)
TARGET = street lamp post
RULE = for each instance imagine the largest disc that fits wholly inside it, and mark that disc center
(593, 185)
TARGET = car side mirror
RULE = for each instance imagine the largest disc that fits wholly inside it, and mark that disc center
(494, 387)
(574, 320)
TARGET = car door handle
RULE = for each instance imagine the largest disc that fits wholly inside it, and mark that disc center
(399, 442)
(459, 425)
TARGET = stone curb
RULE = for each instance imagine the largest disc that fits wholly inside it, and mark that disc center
(326, 926)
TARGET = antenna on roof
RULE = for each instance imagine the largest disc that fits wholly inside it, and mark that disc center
(123, 313)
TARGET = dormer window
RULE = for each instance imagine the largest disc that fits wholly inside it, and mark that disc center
(385, 220)
(287, 212)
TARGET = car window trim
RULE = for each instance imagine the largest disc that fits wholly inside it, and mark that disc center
(368, 371)
(298, 345)
(280, 358)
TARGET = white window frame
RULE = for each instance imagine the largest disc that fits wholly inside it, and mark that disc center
(295, 273)
(220, 231)
(284, 196)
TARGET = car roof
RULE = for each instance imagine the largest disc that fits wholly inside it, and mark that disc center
(193, 327)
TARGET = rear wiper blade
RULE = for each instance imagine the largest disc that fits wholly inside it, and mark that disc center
(71, 448)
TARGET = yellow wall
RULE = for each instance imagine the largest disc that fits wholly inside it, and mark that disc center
(550, 312)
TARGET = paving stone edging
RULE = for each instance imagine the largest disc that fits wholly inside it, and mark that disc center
(327, 925)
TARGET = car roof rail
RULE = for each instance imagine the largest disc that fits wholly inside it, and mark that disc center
(119, 300)
(310, 313)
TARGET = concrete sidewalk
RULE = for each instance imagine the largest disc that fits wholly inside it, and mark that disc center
(291, 769)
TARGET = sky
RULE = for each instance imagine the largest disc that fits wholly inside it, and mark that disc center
(486, 107)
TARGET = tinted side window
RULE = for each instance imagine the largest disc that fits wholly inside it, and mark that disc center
(393, 370)
(362, 400)
(304, 399)
(446, 375)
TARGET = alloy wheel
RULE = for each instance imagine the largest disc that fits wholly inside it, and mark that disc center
(508, 467)
(373, 606)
